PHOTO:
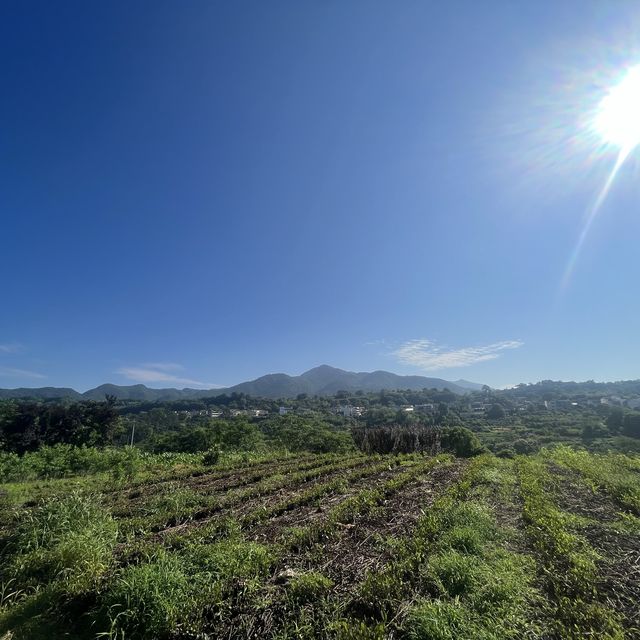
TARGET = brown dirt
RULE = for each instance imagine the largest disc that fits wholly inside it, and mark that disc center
(619, 564)
(274, 529)
(213, 483)
(347, 558)
(619, 572)
(243, 508)
(575, 496)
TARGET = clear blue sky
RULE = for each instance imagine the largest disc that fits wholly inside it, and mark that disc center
(203, 192)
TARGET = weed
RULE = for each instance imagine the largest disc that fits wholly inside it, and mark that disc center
(65, 539)
(308, 587)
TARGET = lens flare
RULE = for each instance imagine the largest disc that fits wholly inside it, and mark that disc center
(617, 123)
(618, 118)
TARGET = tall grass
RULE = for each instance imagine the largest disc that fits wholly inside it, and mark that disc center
(68, 540)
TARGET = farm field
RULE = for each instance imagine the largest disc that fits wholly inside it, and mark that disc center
(341, 546)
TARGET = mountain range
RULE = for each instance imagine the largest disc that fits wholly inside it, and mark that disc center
(322, 380)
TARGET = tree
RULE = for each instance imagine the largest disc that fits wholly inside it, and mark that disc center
(615, 419)
(496, 412)
(461, 442)
(631, 425)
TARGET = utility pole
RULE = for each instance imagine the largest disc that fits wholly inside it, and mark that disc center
(133, 431)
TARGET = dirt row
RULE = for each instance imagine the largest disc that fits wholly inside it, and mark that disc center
(619, 551)
(353, 552)
(271, 532)
(223, 479)
(265, 500)
(212, 485)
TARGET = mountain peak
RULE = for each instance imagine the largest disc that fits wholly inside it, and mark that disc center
(322, 368)
(323, 380)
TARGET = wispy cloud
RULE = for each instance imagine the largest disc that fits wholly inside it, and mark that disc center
(160, 373)
(10, 372)
(380, 342)
(10, 347)
(163, 366)
(426, 355)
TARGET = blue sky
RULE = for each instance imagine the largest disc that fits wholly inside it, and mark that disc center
(198, 193)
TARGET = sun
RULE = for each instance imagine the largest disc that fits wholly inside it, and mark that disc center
(618, 117)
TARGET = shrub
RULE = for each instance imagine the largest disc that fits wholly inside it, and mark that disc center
(462, 442)
(211, 457)
(496, 412)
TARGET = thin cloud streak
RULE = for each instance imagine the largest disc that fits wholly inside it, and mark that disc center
(12, 347)
(149, 375)
(163, 366)
(10, 372)
(429, 357)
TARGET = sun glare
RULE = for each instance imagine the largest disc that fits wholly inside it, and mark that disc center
(618, 117)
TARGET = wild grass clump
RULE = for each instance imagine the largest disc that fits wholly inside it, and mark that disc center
(438, 620)
(463, 584)
(149, 600)
(570, 569)
(170, 594)
(68, 540)
(616, 474)
(309, 587)
(175, 504)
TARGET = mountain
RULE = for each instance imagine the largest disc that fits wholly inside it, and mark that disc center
(139, 392)
(323, 381)
(41, 393)
(470, 386)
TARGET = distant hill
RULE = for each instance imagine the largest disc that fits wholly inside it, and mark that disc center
(322, 380)
(41, 393)
(139, 392)
(470, 386)
(325, 380)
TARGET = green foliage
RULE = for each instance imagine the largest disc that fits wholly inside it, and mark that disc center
(438, 620)
(614, 473)
(297, 433)
(462, 442)
(169, 593)
(211, 457)
(308, 587)
(496, 412)
(570, 563)
(63, 460)
(464, 585)
(26, 426)
(453, 573)
(65, 539)
(149, 600)
(631, 425)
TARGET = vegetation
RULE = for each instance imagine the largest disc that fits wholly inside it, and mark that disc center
(395, 520)
(321, 545)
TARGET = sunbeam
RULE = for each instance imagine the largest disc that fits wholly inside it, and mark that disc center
(617, 122)
(591, 215)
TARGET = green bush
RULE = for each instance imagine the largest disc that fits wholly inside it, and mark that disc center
(211, 457)
(460, 441)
